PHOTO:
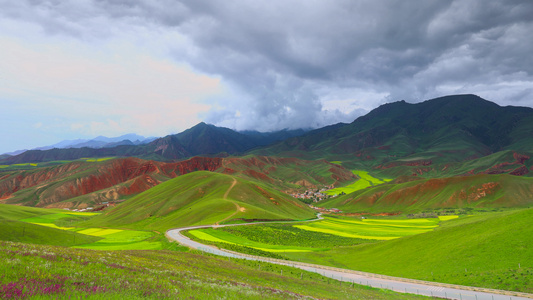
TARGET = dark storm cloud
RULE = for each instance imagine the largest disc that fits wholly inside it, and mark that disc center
(285, 59)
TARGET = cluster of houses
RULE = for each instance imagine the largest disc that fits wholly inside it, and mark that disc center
(314, 194)
(103, 206)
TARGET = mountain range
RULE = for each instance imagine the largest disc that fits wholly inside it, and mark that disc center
(202, 139)
(411, 144)
(97, 142)
(442, 187)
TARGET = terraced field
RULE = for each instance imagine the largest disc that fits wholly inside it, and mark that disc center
(316, 236)
(226, 237)
(365, 180)
(490, 250)
(371, 229)
(111, 239)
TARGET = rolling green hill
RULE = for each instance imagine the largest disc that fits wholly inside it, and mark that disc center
(477, 191)
(17, 231)
(11, 229)
(443, 130)
(489, 250)
(95, 182)
(201, 198)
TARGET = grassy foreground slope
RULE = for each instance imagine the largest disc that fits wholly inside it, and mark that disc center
(201, 198)
(11, 229)
(60, 273)
(15, 212)
(491, 250)
(17, 231)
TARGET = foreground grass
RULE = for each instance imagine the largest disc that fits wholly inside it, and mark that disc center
(48, 272)
(95, 238)
(491, 250)
(488, 250)
(17, 231)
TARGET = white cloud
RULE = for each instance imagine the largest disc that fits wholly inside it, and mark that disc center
(159, 66)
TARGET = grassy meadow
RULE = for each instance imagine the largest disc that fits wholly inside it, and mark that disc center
(365, 180)
(59, 227)
(316, 236)
(30, 166)
(50, 272)
(371, 229)
(482, 191)
(201, 198)
(490, 250)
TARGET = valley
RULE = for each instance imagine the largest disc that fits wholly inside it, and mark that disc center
(418, 191)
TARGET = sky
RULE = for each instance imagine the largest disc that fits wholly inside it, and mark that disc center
(84, 68)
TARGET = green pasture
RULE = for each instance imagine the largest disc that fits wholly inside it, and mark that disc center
(113, 239)
(106, 238)
(331, 233)
(491, 250)
(501, 191)
(88, 159)
(18, 165)
(31, 166)
(200, 198)
(48, 272)
(15, 212)
(365, 180)
(372, 229)
(17, 231)
(215, 235)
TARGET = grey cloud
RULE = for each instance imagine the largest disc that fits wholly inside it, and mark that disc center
(280, 56)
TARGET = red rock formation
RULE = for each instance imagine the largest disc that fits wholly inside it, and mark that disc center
(523, 170)
(14, 182)
(520, 158)
(109, 180)
(55, 183)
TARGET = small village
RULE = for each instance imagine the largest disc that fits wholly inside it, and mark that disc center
(315, 195)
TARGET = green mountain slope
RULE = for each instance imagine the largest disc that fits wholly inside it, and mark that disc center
(90, 182)
(443, 130)
(201, 198)
(201, 139)
(477, 191)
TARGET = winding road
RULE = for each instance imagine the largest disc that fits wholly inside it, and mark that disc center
(402, 285)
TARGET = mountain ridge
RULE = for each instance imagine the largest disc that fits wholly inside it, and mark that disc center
(201, 139)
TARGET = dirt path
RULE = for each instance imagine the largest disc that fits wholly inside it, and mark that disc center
(230, 188)
(238, 208)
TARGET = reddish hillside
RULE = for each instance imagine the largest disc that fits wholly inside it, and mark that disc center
(479, 191)
(288, 173)
(81, 184)
(47, 186)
